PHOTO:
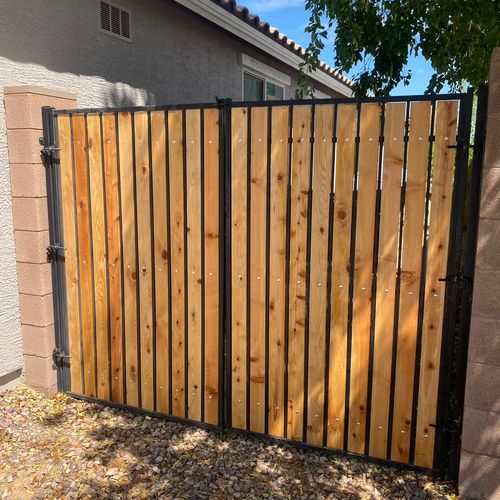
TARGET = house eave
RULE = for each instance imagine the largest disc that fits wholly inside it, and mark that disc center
(224, 19)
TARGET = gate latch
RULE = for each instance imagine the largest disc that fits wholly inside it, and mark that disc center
(53, 251)
(460, 279)
(59, 358)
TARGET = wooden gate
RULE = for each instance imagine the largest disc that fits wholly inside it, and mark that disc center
(140, 210)
(340, 229)
(291, 269)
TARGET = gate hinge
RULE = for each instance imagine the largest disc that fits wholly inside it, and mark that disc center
(47, 152)
(60, 358)
(459, 279)
(53, 251)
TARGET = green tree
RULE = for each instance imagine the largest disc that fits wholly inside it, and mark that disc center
(456, 36)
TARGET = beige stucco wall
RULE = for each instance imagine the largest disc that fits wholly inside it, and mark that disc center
(175, 57)
(480, 458)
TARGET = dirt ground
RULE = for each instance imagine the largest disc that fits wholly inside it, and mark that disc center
(62, 448)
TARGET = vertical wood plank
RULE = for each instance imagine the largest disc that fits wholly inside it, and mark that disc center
(142, 175)
(437, 253)
(363, 274)
(342, 219)
(127, 176)
(161, 255)
(71, 263)
(176, 173)
(99, 254)
(321, 186)
(193, 177)
(114, 255)
(238, 267)
(300, 175)
(84, 252)
(257, 277)
(277, 269)
(394, 130)
(418, 151)
(211, 278)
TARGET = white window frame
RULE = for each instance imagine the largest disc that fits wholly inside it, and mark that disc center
(110, 33)
(263, 72)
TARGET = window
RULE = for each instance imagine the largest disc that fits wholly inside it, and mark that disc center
(259, 89)
(274, 92)
(114, 20)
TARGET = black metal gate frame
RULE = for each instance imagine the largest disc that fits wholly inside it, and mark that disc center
(459, 280)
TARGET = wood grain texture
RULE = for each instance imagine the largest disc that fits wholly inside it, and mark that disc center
(363, 274)
(321, 188)
(299, 206)
(84, 253)
(161, 259)
(437, 253)
(342, 219)
(112, 187)
(394, 130)
(176, 173)
(71, 262)
(142, 176)
(127, 176)
(194, 280)
(99, 254)
(411, 261)
(211, 278)
(277, 270)
(238, 267)
(257, 276)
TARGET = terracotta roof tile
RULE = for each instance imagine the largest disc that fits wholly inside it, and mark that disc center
(253, 20)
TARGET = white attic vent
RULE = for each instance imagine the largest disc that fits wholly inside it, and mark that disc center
(114, 20)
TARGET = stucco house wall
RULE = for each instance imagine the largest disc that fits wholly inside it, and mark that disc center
(175, 57)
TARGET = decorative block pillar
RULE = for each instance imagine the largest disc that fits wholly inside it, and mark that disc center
(23, 111)
(480, 457)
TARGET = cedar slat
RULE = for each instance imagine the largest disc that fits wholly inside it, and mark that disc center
(142, 176)
(129, 257)
(342, 218)
(257, 277)
(71, 263)
(176, 173)
(321, 188)
(114, 255)
(277, 269)
(194, 275)
(161, 256)
(238, 267)
(437, 252)
(301, 150)
(84, 252)
(363, 274)
(394, 126)
(99, 254)
(211, 278)
(418, 151)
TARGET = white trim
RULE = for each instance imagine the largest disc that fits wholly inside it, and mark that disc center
(320, 95)
(110, 33)
(267, 72)
(219, 16)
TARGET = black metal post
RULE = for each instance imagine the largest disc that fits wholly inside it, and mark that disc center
(55, 251)
(225, 261)
(468, 278)
(448, 410)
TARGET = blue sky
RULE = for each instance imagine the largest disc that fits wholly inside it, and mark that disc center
(290, 17)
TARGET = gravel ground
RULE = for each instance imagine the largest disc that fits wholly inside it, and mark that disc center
(59, 447)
